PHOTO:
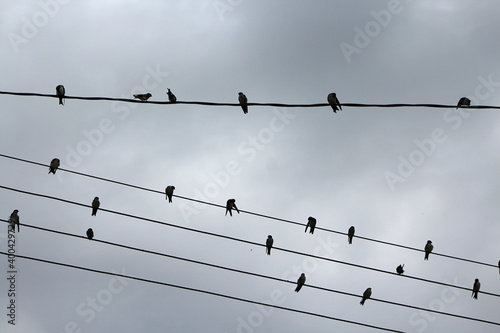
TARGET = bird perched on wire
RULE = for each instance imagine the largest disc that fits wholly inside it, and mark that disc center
(54, 164)
(243, 102)
(60, 92)
(90, 233)
(428, 249)
(367, 294)
(399, 269)
(171, 96)
(95, 206)
(464, 102)
(350, 234)
(475, 288)
(334, 102)
(498, 266)
(300, 282)
(311, 223)
(230, 205)
(13, 220)
(169, 191)
(269, 244)
(143, 97)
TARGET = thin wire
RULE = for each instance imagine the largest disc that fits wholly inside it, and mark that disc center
(256, 214)
(254, 274)
(358, 105)
(201, 291)
(242, 240)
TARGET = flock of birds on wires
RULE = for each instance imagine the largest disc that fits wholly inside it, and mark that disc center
(231, 203)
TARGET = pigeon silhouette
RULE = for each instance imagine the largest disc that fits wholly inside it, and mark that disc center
(95, 206)
(143, 97)
(311, 223)
(230, 205)
(243, 102)
(90, 233)
(475, 288)
(350, 234)
(54, 164)
(13, 220)
(367, 294)
(169, 191)
(269, 244)
(60, 92)
(464, 102)
(171, 96)
(300, 282)
(428, 249)
(334, 102)
(399, 269)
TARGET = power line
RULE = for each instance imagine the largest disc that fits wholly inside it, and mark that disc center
(243, 240)
(256, 214)
(357, 105)
(256, 274)
(202, 291)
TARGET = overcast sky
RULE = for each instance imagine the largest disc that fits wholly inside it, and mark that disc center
(402, 175)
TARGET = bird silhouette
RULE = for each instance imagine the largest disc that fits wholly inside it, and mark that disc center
(311, 223)
(95, 206)
(269, 244)
(350, 234)
(498, 266)
(90, 233)
(230, 205)
(143, 97)
(60, 92)
(475, 288)
(54, 164)
(367, 294)
(300, 282)
(171, 96)
(169, 191)
(399, 269)
(464, 102)
(428, 249)
(13, 220)
(243, 102)
(334, 102)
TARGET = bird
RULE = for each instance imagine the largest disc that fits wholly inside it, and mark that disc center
(311, 222)
(367, 294)
(464, 102)
(230, 205)
(399, 269)
(171, 96)
(243, 102)
(350, 234)
(428, 249)
(143, 97)
(90, 233)
(13, 220)
(475, 288)
(269, 244)
(498, 266)
(54, 164)
(95, 206)
(60, 92)
(334, 102)
(169, 191)
(300, 282)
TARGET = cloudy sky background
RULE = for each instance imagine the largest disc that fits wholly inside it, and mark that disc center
(289, 163)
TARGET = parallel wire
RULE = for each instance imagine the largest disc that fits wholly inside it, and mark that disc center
(256, 274)
(243, 240)
(256, 214)
(357, 105)
(202, 291)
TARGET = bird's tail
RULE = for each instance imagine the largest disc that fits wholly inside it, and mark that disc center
(362, 302)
